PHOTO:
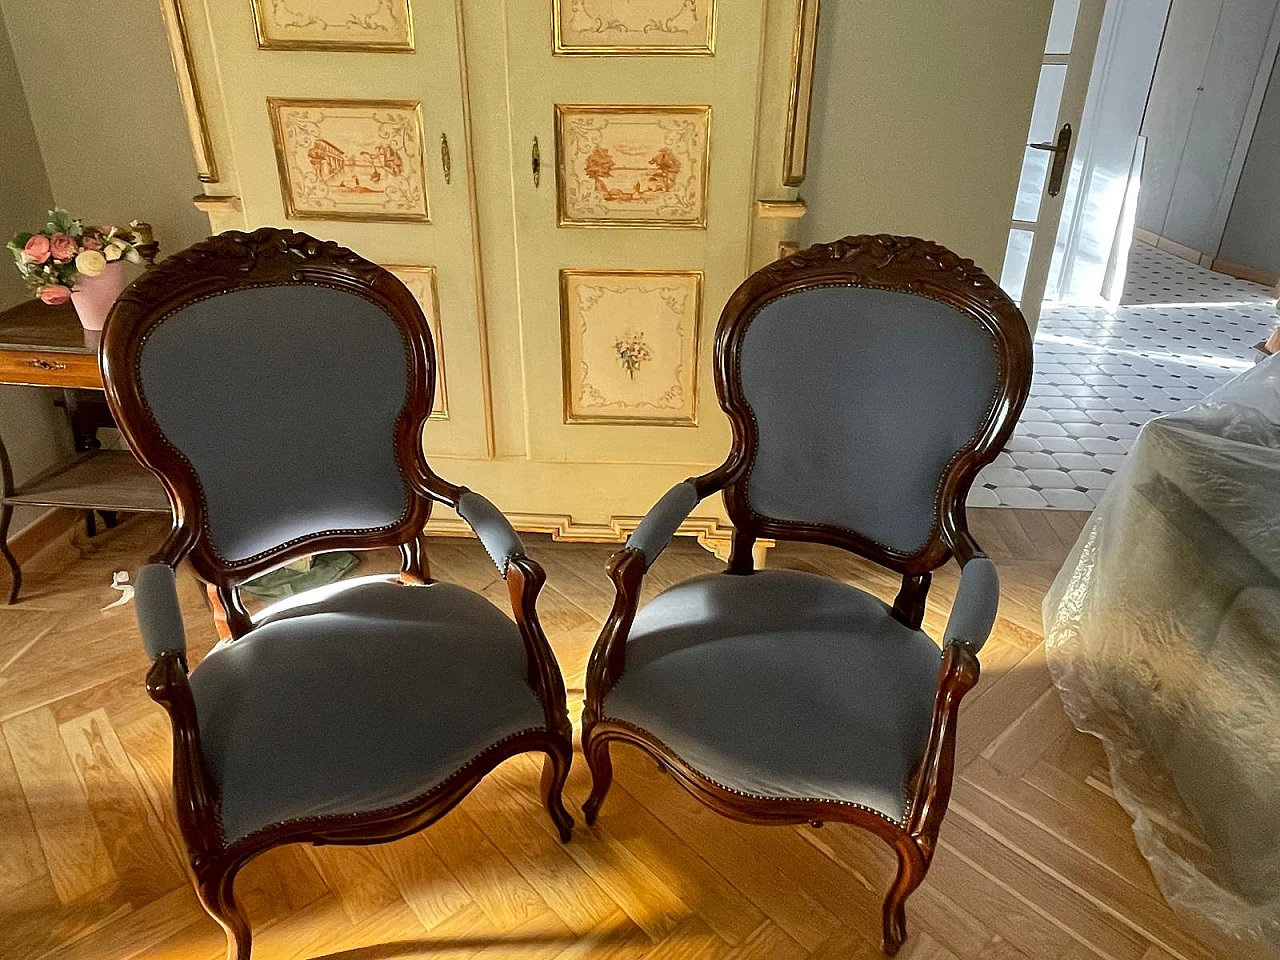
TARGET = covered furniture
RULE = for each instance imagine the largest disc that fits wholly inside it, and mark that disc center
(278, 386)
(1162, 633)
(867, 382)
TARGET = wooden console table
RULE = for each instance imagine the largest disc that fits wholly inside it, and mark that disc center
(43, 346)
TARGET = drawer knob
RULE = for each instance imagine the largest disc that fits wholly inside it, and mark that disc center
(41, 364)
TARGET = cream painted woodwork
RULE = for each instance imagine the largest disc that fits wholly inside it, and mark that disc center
(576, 304)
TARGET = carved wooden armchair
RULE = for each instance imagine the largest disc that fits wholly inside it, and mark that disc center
(278, 386)
(867, 381)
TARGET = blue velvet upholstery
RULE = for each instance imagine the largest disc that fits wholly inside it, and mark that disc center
(974, 612)
(358, 698)
(159, 615)
(284, 400)
(782, 684)
(659, 525)
(494, 531)
(862, 397)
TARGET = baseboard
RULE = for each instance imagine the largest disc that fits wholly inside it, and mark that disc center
(1181, 250)
(1241, 272)
(1216, 264)
(37, 535)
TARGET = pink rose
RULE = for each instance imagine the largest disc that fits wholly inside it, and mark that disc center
(63, 247)
(54, 294)
(92, 243)
(36, 249)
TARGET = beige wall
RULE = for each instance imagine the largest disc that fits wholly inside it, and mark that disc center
(920, 114)
(99, 84)
(33, 430)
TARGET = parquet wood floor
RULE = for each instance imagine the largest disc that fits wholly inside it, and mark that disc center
(1036, 859)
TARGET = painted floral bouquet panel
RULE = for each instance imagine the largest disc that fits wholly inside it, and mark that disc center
(631, 346)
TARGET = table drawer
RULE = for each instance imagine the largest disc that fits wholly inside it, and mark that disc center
(44, 368)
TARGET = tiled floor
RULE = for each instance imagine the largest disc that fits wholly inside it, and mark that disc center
(1180, 331)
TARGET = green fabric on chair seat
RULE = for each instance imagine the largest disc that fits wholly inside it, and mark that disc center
(782, 684)
(358, 698)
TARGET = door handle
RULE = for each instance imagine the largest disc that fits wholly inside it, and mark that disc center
(536, 163)
(1059, 148)
(446, 159)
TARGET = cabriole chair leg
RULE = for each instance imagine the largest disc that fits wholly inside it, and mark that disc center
(216, 889)
(911, 870)
(601, 767)
(555, 772)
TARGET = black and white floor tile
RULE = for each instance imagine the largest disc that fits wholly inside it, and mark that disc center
(1101, 374)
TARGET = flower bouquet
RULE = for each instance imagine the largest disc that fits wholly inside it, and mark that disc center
(70, 261)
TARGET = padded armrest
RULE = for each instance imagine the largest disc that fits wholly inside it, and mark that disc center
(974, 612)
(659, 525)
(159, 616)
(496, 534)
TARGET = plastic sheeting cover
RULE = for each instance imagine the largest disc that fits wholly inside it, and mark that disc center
(1163, 637)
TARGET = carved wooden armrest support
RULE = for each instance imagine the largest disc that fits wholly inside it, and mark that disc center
(956, 677)
(195, 794)
(525, 578)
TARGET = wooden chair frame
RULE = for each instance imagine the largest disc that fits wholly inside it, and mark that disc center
(267, 257)
(885, 262)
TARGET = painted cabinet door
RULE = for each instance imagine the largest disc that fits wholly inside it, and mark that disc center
(331, 117)
(631, 138)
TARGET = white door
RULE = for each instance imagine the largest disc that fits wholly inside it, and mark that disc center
(1055, 123)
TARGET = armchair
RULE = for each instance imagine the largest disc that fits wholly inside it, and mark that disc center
(278, 386)
(867, 381)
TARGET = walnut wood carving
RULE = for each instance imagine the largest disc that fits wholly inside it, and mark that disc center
(891, 263)
(268, 256)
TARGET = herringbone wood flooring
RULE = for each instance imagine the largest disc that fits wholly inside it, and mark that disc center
(1037, 860)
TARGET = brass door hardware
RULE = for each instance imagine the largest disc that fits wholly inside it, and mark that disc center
(1060, 148)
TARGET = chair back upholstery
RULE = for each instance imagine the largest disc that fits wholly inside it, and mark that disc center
(278, 387)
(868, 381)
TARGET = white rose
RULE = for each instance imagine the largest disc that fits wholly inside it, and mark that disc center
(91, 263)
(113, 252)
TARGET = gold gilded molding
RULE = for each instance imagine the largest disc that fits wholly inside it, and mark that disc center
(781, 209)
(795, 157)
(595, 389)
(668, 191)
(713, 535)
(211, 204)
(279, 26)
(390, 151)
(189, 90)
(477, 254)
(578, 31)
(420, 278)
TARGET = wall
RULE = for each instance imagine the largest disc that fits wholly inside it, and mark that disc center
(1252, 236)
(99, 84)
(920, 113)
(1200, 95)
(34, 431)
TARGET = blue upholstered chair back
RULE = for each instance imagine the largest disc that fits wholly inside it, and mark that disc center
(284, 401)
(861, 399)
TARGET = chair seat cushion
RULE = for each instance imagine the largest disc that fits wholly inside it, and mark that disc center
(358, 699)
(782, 685)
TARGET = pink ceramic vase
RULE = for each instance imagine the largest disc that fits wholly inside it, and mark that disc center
(93, 296)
